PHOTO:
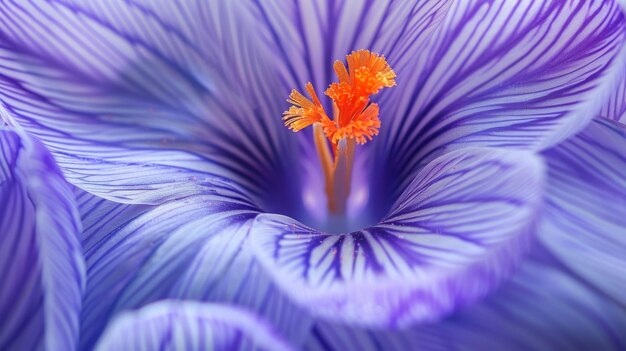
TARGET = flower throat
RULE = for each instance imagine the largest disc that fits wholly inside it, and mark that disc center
(355, 119)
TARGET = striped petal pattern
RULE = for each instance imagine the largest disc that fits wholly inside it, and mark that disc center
(191, 249)
(41, 265)
(500, 73)
(585, 222)
(174, 325)
(458, 229)
(122, 91)
(542, 308)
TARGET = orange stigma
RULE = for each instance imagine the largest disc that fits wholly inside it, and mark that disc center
(355, 118)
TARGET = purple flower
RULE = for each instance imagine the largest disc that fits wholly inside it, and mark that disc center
(487, 214)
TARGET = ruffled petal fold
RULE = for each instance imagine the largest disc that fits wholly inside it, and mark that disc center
(542, 308)
(190, 249)
(457, 230)
(585, 216)
(175, 325)
(500, 73)
(41, 265)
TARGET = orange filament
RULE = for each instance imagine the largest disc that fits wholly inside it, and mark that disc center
(355, 118)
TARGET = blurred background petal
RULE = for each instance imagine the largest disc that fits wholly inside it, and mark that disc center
(41, 265)
(542, 308)
(585, 214)
(174, 325)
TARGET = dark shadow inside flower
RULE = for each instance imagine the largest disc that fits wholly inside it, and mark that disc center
(344, 183)
(365, 205)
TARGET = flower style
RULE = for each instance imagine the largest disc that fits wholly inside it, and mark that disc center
(480, 206)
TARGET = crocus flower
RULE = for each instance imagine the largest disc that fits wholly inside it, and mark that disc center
(487, 211)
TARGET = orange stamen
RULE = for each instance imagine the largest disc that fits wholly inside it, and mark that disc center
(355, 118)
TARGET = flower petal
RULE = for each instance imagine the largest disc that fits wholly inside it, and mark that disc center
(456, 231)
(193, 248)
(585, 221)
(176, 325)
(118, 88)
(500, 73)
(542, 308)
(41, 265)
(309, 36)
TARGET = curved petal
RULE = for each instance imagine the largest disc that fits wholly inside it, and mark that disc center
(585, 221)
(543, 308)
(126, 88)
(193, 248)
(41, 265)
(458, 229)
(500, 73)
(175, 325)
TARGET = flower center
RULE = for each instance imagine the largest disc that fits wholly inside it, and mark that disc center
(355, 119)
